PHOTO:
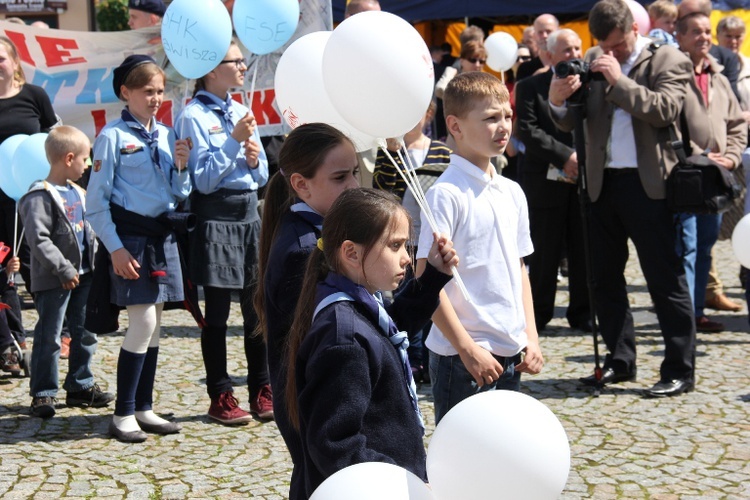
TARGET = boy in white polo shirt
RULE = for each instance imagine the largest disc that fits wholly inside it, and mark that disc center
(484, 343)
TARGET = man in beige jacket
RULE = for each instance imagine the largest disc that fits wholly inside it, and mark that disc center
(628, 117)
(715, 125)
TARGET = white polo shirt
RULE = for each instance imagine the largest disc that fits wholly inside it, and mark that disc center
(488, 221)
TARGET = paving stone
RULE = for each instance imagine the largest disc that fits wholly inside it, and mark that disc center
(622, 446)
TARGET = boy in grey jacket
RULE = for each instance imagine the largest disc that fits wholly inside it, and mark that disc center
(62, 246)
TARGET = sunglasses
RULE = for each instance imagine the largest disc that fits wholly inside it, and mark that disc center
(475, 60)
(237, 62)
(523, 58)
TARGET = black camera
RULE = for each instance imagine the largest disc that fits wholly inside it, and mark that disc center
(578, 67)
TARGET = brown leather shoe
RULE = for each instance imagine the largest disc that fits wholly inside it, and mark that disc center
(721, 302)
(704, 324)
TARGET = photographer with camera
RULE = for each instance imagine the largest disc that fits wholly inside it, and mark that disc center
(627, 120)
(554, 211)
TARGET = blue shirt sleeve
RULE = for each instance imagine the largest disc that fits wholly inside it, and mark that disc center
(216, 159)
(106, 156)
(180, 182)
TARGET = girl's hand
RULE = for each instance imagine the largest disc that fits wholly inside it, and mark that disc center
(442, 255)
(124, 264)
(252, 150)
(13, 266)
(181, 153)
(244, 128)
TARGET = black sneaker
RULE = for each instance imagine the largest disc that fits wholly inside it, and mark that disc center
(43, 407)
(93, 397)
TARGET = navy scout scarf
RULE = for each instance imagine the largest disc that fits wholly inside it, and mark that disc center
(337, 288)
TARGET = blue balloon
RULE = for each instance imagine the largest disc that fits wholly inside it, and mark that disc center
(30, 161)
(7, 150)
(196, 35)
(265, 25)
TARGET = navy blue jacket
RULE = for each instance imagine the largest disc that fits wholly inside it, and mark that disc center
(354, 404)
(294, 242)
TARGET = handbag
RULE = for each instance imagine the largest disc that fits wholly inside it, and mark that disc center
(698, 184)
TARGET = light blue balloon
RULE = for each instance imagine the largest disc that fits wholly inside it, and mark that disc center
(265, 25)
(30, 161)
(196, 35)
(7, 150)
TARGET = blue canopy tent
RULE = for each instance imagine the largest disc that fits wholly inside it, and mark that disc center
(427, 10)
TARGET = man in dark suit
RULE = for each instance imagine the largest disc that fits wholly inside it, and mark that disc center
(554, 211)
(628, 117)
(543, 26)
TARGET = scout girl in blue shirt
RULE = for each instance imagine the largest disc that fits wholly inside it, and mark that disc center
(227, 165)
(350, 390)
(139, 173)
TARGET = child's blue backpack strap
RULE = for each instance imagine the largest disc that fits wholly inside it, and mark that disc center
(336, 297)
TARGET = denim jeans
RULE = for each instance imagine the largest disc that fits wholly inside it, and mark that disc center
(687, 243)
(53, 307)
(707, 233)
(452, 382)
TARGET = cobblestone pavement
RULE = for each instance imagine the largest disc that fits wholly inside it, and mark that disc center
(622, 446)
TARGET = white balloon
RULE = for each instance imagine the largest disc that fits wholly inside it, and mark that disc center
(373, 481)
(498, 444)
(301, 94)
(741, 241)
(378, 73)
(502, 51)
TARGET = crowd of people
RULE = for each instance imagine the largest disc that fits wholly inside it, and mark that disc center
(342, 318)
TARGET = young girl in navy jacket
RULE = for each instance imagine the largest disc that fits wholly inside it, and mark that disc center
(317, 163)
(350, 390)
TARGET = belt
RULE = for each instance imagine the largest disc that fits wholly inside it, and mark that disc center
(620, 171)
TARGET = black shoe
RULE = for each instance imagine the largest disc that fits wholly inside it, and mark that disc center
(165, 428)
(93, 397)
(609, 376)
(584, 326)
(666, 388)
(126, 437)
(43, 407)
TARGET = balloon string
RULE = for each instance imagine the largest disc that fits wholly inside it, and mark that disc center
(182, 119)
(252, 85)
(20, 241)
(15, 232)
(410, 178)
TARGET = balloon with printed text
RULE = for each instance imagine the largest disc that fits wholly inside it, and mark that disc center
(196, 35)
(300, 91)
(30, 161)
(7, 182)
(265, 25)
(378, 73)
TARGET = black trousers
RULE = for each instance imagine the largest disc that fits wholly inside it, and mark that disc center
(214, 342)
(624, 211)
(551, 229)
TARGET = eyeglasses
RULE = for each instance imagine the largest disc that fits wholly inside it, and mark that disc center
(475, 60)
(523, 58)
(237, 62)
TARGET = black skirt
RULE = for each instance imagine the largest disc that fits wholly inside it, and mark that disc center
(224, 245)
